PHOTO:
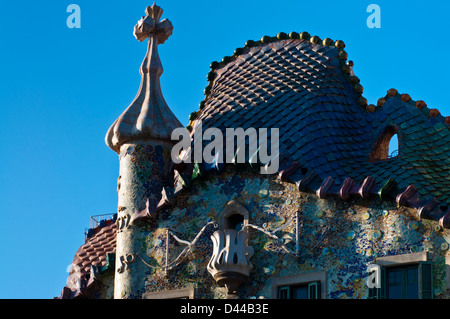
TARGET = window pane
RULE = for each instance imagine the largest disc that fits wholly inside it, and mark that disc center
(299, 292)
(391, 277)
(412, 274)
(394, 276)
(412, 291)
(395, 292)
(394, 289)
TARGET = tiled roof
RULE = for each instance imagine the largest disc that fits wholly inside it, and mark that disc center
(304, 87)
(96, 247)
(96, 255)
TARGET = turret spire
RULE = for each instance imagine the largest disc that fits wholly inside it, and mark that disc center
(148, 116)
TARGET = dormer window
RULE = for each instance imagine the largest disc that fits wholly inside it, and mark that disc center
(387, 145)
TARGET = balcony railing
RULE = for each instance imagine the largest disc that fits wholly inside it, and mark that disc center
(97, 220)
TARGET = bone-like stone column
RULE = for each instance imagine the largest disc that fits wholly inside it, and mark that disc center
(144, 168)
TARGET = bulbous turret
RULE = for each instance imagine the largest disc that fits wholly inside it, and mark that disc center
(142, 138)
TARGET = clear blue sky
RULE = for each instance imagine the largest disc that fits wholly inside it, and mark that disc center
(62, 88)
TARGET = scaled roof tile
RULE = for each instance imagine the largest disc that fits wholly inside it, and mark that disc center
(93, 253)
(323, 122)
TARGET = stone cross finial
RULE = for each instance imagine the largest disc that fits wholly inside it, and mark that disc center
(150, 25)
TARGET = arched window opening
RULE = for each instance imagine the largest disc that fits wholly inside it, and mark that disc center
(235, 221)
(234, 216)
(387, 145)
(393, 146)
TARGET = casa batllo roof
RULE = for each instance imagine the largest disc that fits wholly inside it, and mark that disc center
(331, 141)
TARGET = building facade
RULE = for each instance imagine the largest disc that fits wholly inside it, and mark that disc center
(341, 217)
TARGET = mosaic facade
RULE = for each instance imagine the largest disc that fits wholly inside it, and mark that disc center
(339, 237)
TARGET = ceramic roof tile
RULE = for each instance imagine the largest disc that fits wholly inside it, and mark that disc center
(94, 251)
